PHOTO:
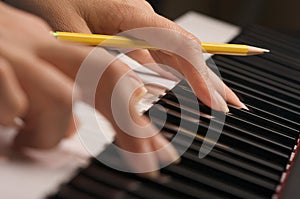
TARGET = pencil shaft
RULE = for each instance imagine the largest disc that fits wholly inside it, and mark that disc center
(124, 42)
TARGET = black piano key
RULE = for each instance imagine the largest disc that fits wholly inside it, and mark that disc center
(244, 151)
(271, 38)
(168, 187)
(253, 100)
(292, 124)
(272, 68)
(99, 190)
(214, 179)
(261, 134)
(224, 153)
(223, 168)
(264, 118)
(250, 71)
(154, 187)
(134, 184)
(289, 59)
(113, 179)
(280, 95)
(267, 136)
(277, 56)
(291, 108)
(247, 165)
(274, 35)
(68, 192)
(265, 104)
(290, 130)
(228, 154)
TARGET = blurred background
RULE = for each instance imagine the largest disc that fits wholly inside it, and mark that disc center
(283, 16)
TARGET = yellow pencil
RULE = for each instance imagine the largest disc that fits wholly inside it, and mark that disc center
(124, 42)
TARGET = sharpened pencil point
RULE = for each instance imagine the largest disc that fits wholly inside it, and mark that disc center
(255, 50)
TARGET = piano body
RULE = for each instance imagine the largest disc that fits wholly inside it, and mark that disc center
(256, 155)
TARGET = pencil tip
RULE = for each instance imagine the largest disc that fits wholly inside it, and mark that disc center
(255, 50)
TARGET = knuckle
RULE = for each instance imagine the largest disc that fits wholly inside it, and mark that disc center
(136, 8)
(148, 6)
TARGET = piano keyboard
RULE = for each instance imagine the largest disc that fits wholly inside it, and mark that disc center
(255, 150)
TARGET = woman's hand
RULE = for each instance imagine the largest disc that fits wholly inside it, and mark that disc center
(37, 79)
(31, 87)
(114, 16)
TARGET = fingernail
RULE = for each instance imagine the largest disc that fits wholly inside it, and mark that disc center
(219, 103)
(177, 161)
(152, 174)
(173, 155)
(225, 110)
(244, 106)
(141, 91)
(18, 122)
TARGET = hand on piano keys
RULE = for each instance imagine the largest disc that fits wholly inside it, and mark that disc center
(180, 51)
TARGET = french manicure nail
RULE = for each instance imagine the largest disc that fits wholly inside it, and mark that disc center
(173, 155)
(151, 175)
(141, 91)
(219, 102)
(244, 106)
(177, 161)
(18, 122)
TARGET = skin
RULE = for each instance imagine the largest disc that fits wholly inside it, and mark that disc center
(41, 61)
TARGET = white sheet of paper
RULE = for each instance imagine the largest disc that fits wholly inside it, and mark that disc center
(41, 175)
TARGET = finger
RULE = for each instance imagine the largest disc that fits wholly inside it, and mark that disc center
(233, 99)
(166, 153)
(202, 82)
(144, 58)
(225, 91)
(146, 147)
(184, 55)
(13, 100)
(204, 89)
(50, 112)
(138, 154)
(68, 58)
(118, 92)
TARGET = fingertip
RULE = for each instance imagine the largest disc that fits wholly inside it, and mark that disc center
(151, 175)
(233, 99)
(138, 95)
(243, 106)
(219, 103)
(165, 151)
